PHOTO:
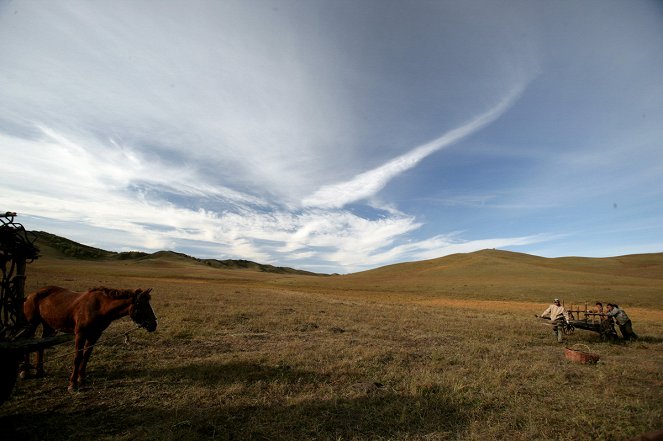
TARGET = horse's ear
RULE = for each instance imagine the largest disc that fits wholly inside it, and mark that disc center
(144, 294)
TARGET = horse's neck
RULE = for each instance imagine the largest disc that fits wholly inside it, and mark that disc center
(117, 308)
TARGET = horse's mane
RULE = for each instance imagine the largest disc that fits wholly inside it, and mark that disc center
(114, 293)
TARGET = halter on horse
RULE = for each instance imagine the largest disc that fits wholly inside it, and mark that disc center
(86, 315)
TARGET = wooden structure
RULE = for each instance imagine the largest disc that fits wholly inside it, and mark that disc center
(17, 249)
(581, 317)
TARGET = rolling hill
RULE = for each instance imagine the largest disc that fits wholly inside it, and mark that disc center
(482, 275)
(505, 275)
(57, 247)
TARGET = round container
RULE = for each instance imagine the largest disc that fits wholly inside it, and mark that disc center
(577, 355)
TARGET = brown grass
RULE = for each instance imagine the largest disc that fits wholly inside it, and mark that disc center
(246, 355)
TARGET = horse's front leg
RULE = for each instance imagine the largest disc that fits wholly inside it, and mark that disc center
(40, 363)
(47, 332)
(89, 346)
(79, 345)
(24, 370)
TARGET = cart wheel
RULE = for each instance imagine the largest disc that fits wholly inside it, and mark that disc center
(8, 373)
(569, 329)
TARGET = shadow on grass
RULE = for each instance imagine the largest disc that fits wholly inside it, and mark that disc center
(591, 337)
(369, 417)
(372, 414)
(380, 416)
(649, 339)
(216, 372)
(620, 340)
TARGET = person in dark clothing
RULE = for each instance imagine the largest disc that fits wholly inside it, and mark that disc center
(624, 322)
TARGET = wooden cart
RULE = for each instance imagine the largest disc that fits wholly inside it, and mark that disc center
(583, 318)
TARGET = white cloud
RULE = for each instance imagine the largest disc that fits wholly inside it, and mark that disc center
(438, 246)
(76, 183)
(372, 181)
(272, 107)
(239, 92)
(243, 130)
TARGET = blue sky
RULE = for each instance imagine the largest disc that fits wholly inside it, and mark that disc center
(335, 136)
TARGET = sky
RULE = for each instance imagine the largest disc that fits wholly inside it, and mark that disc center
(335, 136)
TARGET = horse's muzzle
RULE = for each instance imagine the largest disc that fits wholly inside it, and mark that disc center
(149, 326)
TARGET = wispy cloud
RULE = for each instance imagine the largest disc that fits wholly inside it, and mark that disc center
(239, 130)
(199, 152)
(443, 245)
(97, 187)
(369, 183)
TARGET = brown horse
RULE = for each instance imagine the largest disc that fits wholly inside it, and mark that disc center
(86, 315)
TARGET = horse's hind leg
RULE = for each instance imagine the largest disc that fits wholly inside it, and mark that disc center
(79, 344)
(89, 346)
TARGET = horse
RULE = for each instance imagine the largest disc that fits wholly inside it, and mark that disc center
(86, 315)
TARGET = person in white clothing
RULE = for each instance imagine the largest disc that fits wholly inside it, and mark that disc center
(558, 316)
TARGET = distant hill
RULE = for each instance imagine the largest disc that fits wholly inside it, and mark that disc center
(55, 246)
(506, 275)
(481, 275)
(513, 266)
(51, 245)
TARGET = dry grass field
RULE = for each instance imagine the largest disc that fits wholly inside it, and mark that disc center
(435, 350)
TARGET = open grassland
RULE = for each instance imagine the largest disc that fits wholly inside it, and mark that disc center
(443, 349)
(635, 280)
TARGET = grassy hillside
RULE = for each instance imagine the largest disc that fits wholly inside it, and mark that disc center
(245, 355)
(635, 280)
(631, 281)
(51, 245)
(446, 349)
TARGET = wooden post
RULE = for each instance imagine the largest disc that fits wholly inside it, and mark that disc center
(19, 290)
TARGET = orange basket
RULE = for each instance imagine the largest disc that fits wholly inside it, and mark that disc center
(581, 356)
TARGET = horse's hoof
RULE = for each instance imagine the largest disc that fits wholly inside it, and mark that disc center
(71, 389)
(24, 375)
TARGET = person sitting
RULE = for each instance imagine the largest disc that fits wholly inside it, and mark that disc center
(624, 322)
(558, 316)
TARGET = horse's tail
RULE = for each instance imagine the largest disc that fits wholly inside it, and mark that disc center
(30, 309)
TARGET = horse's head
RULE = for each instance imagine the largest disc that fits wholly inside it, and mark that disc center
(141, 310)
